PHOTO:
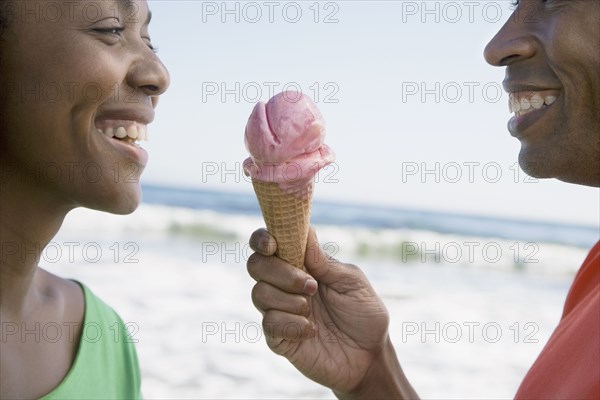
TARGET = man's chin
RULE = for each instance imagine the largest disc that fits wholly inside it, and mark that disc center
(534, 167)
(587, 174)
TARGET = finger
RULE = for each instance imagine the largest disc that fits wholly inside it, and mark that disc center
(262, 242)
(266, 297)
(280, 274)
(281, 325)
(321, 266)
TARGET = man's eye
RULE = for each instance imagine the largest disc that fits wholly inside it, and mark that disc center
(149, 44)
(515, 3)
(111, 31)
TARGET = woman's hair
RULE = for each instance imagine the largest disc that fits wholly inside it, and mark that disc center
(4, 15)
(3, 21)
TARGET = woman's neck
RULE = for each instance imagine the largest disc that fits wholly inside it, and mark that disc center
(29, 218)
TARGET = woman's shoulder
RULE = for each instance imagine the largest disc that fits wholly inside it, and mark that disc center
(78, 302)
(106, 363)
(68, 295)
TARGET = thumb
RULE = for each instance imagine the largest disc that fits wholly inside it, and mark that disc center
(321, 266)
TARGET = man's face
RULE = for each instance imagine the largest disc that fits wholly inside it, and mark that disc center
(551, 50)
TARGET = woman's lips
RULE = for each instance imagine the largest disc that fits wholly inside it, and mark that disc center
(121, 129)
(123, 136)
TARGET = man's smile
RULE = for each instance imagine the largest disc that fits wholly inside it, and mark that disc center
(522, 103)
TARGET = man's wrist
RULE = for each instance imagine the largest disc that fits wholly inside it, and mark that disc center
(383, 380)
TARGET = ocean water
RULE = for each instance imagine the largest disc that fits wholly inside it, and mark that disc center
(472, 300)
(348, 215)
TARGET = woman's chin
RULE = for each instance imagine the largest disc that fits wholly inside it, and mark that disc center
(124, 209)
(120, 202)
(125, 205)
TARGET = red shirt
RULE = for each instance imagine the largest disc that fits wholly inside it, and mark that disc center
(569, 365)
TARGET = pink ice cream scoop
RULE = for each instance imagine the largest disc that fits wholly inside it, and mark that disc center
(285, 141)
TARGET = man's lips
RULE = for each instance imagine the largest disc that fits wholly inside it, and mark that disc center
(524, 102)
(531, 109)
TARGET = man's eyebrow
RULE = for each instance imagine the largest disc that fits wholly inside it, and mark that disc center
(126, 3)
(129, 3)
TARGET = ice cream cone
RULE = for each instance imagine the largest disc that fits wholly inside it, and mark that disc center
(287, 215)
(285, 140)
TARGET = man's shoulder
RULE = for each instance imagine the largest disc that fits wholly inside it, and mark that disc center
(586, 282)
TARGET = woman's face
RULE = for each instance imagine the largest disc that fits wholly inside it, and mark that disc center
(73, 74)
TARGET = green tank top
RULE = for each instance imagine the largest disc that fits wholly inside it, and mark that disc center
(106, 364)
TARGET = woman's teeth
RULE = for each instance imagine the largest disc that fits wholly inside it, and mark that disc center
(132, 134)
(524, 105)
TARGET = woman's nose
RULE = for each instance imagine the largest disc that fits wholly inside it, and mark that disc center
(149, 74)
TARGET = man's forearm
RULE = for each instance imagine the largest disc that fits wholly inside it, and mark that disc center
(384, 380)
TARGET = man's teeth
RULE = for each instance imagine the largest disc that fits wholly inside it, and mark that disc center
(132, 134)
(525, 105)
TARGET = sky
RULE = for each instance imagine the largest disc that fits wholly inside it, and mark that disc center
(416, 117)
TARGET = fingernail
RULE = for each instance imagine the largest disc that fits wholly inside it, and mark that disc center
(310, 287)
(262, 244)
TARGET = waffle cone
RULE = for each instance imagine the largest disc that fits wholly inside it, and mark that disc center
(287, 216)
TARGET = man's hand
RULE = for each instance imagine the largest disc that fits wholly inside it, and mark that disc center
(328, 322)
